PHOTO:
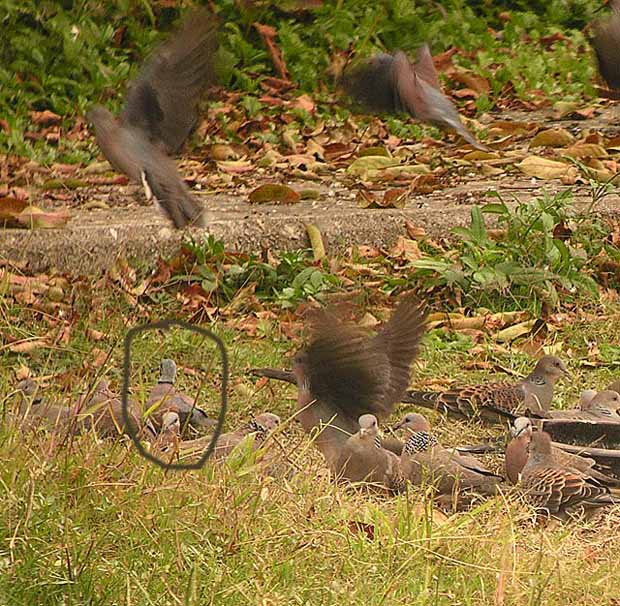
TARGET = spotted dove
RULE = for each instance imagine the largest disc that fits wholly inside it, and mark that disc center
(259, 428)
(424, 459)
(534, 394)
(556, 489)
(164, 397)
(343, 374)
(517, 455)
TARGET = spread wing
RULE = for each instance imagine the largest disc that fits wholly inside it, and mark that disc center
(162, 99)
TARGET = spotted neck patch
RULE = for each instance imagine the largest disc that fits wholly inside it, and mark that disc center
(537, 379)
(256, 428)
(420, 441)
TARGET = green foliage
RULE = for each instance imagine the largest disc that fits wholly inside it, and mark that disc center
(63, 56)
(294, 278)
(538, 259)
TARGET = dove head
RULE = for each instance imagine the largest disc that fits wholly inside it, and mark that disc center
(368, 426)
(300, 365)
(586, 397)
(171, 422)
(540, 445)
(607, 400)
(267, 421)
(521, 427)
(167, 371)
(413, 423)
(550, 368)
(27, 387)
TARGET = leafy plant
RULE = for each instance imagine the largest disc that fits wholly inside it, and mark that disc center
(541, 251)
(293, 278)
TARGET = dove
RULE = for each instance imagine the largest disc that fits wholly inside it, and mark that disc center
(534, 394)
(615, 386)
(391, 83)
(160, 112)
(102, 411)
(606, 42)
(603, 407)
(343, 374)
(362, 459)
(35, 413)
(424, 458)
(169, 435)
(164, 397)
(517, 455)
(556, 489)
(259, 427)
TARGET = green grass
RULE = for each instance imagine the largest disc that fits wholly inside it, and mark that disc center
(92, 523)
(65, 56)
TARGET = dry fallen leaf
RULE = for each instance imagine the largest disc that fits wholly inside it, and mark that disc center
(274, 193)
(543, 168)
(552, 137)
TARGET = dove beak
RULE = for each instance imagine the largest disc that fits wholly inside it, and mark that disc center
(397, 426)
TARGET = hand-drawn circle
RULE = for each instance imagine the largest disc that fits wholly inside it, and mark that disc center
(166, 325)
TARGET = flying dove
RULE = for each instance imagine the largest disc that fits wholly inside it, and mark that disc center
(534, 394)
(343, 374)
(424, 458)
(606, 42)
(391, 83)
(517, 455)
(164, 397)
(362, 459)
(259, 427)
(556, 489)
(159, 114)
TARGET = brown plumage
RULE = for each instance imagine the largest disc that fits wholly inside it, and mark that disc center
(363, 460)
(102, 412)
(159, 113)
(517, 455)
(34, 413)
(164, 397)
(259, 427)
(343, 374)
(425, 460)
(556, 489)
(606, 42)
(391, 83)
(533, 394)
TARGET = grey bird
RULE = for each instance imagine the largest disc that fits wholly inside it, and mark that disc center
(425, 459)
(259, 427)
(556, 489)
(606, 42)
(164, 397)
(160, 112)
(391, 83)
(603, 407)
(615, 386)
(35, 413)
(102, 412)
(343, 374)
(517, 455)
(362, 459)
(533, 394)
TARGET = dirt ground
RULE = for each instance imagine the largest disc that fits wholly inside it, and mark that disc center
(95, 236)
